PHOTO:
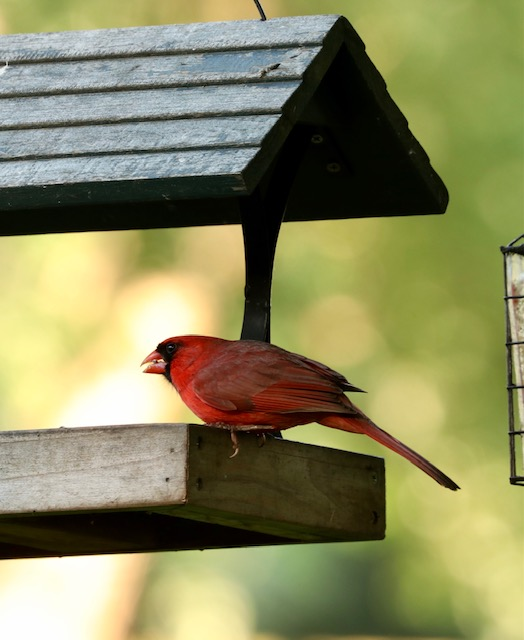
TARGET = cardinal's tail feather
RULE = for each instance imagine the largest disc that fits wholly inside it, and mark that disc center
(364, 425)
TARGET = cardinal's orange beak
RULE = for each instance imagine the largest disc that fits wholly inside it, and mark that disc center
(155, 363)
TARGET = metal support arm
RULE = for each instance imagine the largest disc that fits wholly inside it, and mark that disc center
(261, 214)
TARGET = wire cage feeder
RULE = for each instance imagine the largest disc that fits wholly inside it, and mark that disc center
(514, 302)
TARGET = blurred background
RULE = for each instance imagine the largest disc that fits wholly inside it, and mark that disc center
(410, 309)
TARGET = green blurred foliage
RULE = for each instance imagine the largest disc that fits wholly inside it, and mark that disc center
(408, 308)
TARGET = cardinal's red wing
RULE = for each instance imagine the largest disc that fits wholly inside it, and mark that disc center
(288, 397)
(273, 381)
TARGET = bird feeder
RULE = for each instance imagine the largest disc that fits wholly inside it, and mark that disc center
(514, 300)
(251, 123)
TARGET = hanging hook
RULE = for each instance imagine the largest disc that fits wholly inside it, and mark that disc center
(260, 10)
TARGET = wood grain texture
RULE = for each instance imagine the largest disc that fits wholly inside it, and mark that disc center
(184, 38)
(154, 71)
(175, 486)
(299, 490)
(146, 166)
(164, 135)
(62, 470)
(122, 106)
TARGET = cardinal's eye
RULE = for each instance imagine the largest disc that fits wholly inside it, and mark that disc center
(170, 349)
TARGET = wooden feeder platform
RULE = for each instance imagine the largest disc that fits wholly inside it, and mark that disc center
(162, 487)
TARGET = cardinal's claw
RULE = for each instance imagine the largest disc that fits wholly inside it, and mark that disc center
(234, 440)
(261, 439)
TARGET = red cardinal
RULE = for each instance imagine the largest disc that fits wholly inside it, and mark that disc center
(246, 385)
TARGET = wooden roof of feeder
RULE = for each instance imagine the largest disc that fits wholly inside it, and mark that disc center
(169, 126)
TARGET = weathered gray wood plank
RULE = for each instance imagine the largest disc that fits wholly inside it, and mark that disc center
(191, 38)
(154, 71)
(119, 106)
(92, 169)
(91, 468)
(163, 135)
